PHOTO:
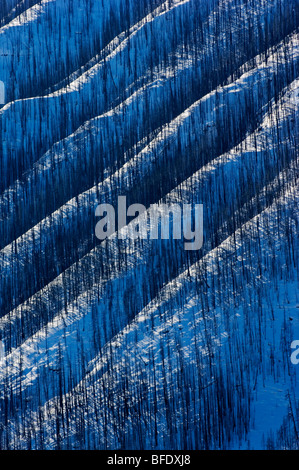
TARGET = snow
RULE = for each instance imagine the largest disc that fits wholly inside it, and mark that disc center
(141, 344)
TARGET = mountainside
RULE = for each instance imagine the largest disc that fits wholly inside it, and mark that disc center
(142, 344)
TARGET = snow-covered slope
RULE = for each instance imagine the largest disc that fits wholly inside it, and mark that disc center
(122, 344)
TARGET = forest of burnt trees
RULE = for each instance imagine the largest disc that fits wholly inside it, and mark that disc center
(144, 345)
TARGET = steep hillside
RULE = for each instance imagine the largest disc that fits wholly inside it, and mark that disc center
(142, 344)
